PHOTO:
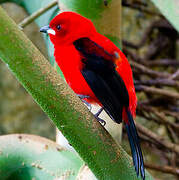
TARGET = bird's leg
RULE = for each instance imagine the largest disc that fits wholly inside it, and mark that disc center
(82, 97)
(99, 119)
(99, 112)
(88, 104)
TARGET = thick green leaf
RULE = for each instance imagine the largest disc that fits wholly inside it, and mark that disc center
(170, 9)
(27, 157)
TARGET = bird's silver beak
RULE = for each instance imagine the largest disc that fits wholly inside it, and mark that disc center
(47, 29)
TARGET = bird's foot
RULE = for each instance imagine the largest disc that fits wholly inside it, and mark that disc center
(99, 112)
(99, 119)
(87, 104)
(82, 97)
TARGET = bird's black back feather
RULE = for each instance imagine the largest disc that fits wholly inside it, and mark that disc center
(100, 74)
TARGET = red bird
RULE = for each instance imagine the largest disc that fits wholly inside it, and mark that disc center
(97, 71)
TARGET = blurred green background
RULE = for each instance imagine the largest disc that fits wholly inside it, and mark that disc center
(18, 111)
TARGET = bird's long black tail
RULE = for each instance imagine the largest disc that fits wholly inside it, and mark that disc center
(135, 145)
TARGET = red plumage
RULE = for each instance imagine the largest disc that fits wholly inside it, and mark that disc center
(69, 59)
(93, 66)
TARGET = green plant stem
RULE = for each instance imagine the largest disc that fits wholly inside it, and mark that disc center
(36, 14)
(87, 136)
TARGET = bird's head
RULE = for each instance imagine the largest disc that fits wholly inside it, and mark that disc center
(67, 27)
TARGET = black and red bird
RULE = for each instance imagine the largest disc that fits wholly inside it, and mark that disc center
(97, 71)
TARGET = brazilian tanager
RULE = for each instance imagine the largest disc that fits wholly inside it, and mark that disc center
(98, 71)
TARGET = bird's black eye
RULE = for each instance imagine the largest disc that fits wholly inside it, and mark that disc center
(58, 27)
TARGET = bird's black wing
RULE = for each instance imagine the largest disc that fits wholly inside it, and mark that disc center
(100, 74)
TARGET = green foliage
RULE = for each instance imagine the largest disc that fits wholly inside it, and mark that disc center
(27, 157)
(170, 9)
(88, 8)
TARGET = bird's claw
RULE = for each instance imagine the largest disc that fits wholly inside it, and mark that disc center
(87, 104)
(101, 121)
(82, 97)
